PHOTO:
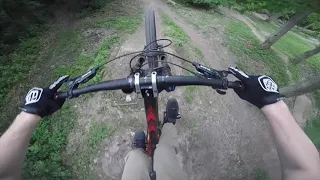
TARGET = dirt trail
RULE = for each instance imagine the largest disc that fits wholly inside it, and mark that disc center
(229, 136)
(112, 109)
(221, 137)
(245, 20)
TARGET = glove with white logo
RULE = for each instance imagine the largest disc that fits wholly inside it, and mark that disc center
(258, 90)
(41, 101)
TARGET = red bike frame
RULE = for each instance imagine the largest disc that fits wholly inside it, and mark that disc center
(151, 109)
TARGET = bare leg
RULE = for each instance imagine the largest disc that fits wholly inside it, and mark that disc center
(137, 166)
(166, 163)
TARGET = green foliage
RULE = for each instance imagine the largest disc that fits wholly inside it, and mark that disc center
(293, 46)
(316, 96)
(189, 92)
(174, 31)
(208, 3)
(24, 19)
(312, 21)
(263, 25)
(198, 52)
(14, 28)
(313, 130)
(30, 56)
(259, 174)
(43, 160)
(98, 132)
(245, 46)
(19, 46)
(97, 4)
(181, 41)
(211, 2)
(123, 24)
(14, 67)
(86, 62)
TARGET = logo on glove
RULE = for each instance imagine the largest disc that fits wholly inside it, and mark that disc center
(268, 84)
(33, 95)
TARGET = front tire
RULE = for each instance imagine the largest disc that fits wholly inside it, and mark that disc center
(151, 37)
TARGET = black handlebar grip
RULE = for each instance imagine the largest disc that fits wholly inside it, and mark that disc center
(60, 95)
(236, 85)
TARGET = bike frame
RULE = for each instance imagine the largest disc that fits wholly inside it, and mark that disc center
(152, 114)
(153, 123)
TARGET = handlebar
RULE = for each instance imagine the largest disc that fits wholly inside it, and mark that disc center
(161, 81)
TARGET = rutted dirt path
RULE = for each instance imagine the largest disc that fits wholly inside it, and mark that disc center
(229, 137)
(245, 20)
(221, 137)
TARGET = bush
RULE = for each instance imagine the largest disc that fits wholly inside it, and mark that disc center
(203, 3)
(24, 19)
(44, 160)
(13, 28)
(97, 4)
(14, 67)
(312, 22)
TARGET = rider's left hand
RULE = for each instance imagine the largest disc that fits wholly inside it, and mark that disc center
(41, 101)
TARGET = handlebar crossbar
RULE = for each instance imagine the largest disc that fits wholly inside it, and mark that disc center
(162, 82)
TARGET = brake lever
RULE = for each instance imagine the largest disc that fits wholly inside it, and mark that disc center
(87, 76)
(212, 73)
(209, 72)
(74, 83)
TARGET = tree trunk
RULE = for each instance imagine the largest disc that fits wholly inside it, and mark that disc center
(284, 29)
(274, 17)
(301, 87)
(306, 55)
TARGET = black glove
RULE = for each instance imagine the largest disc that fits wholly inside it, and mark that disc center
(258, 90)
(42, 101)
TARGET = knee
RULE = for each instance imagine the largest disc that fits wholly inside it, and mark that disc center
(165, 150)
(136, 154)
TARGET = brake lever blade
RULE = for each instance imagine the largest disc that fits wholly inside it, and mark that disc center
(74, 83)
(87, 76)
(209, 72)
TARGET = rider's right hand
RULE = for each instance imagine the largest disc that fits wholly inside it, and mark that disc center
(258, 90)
